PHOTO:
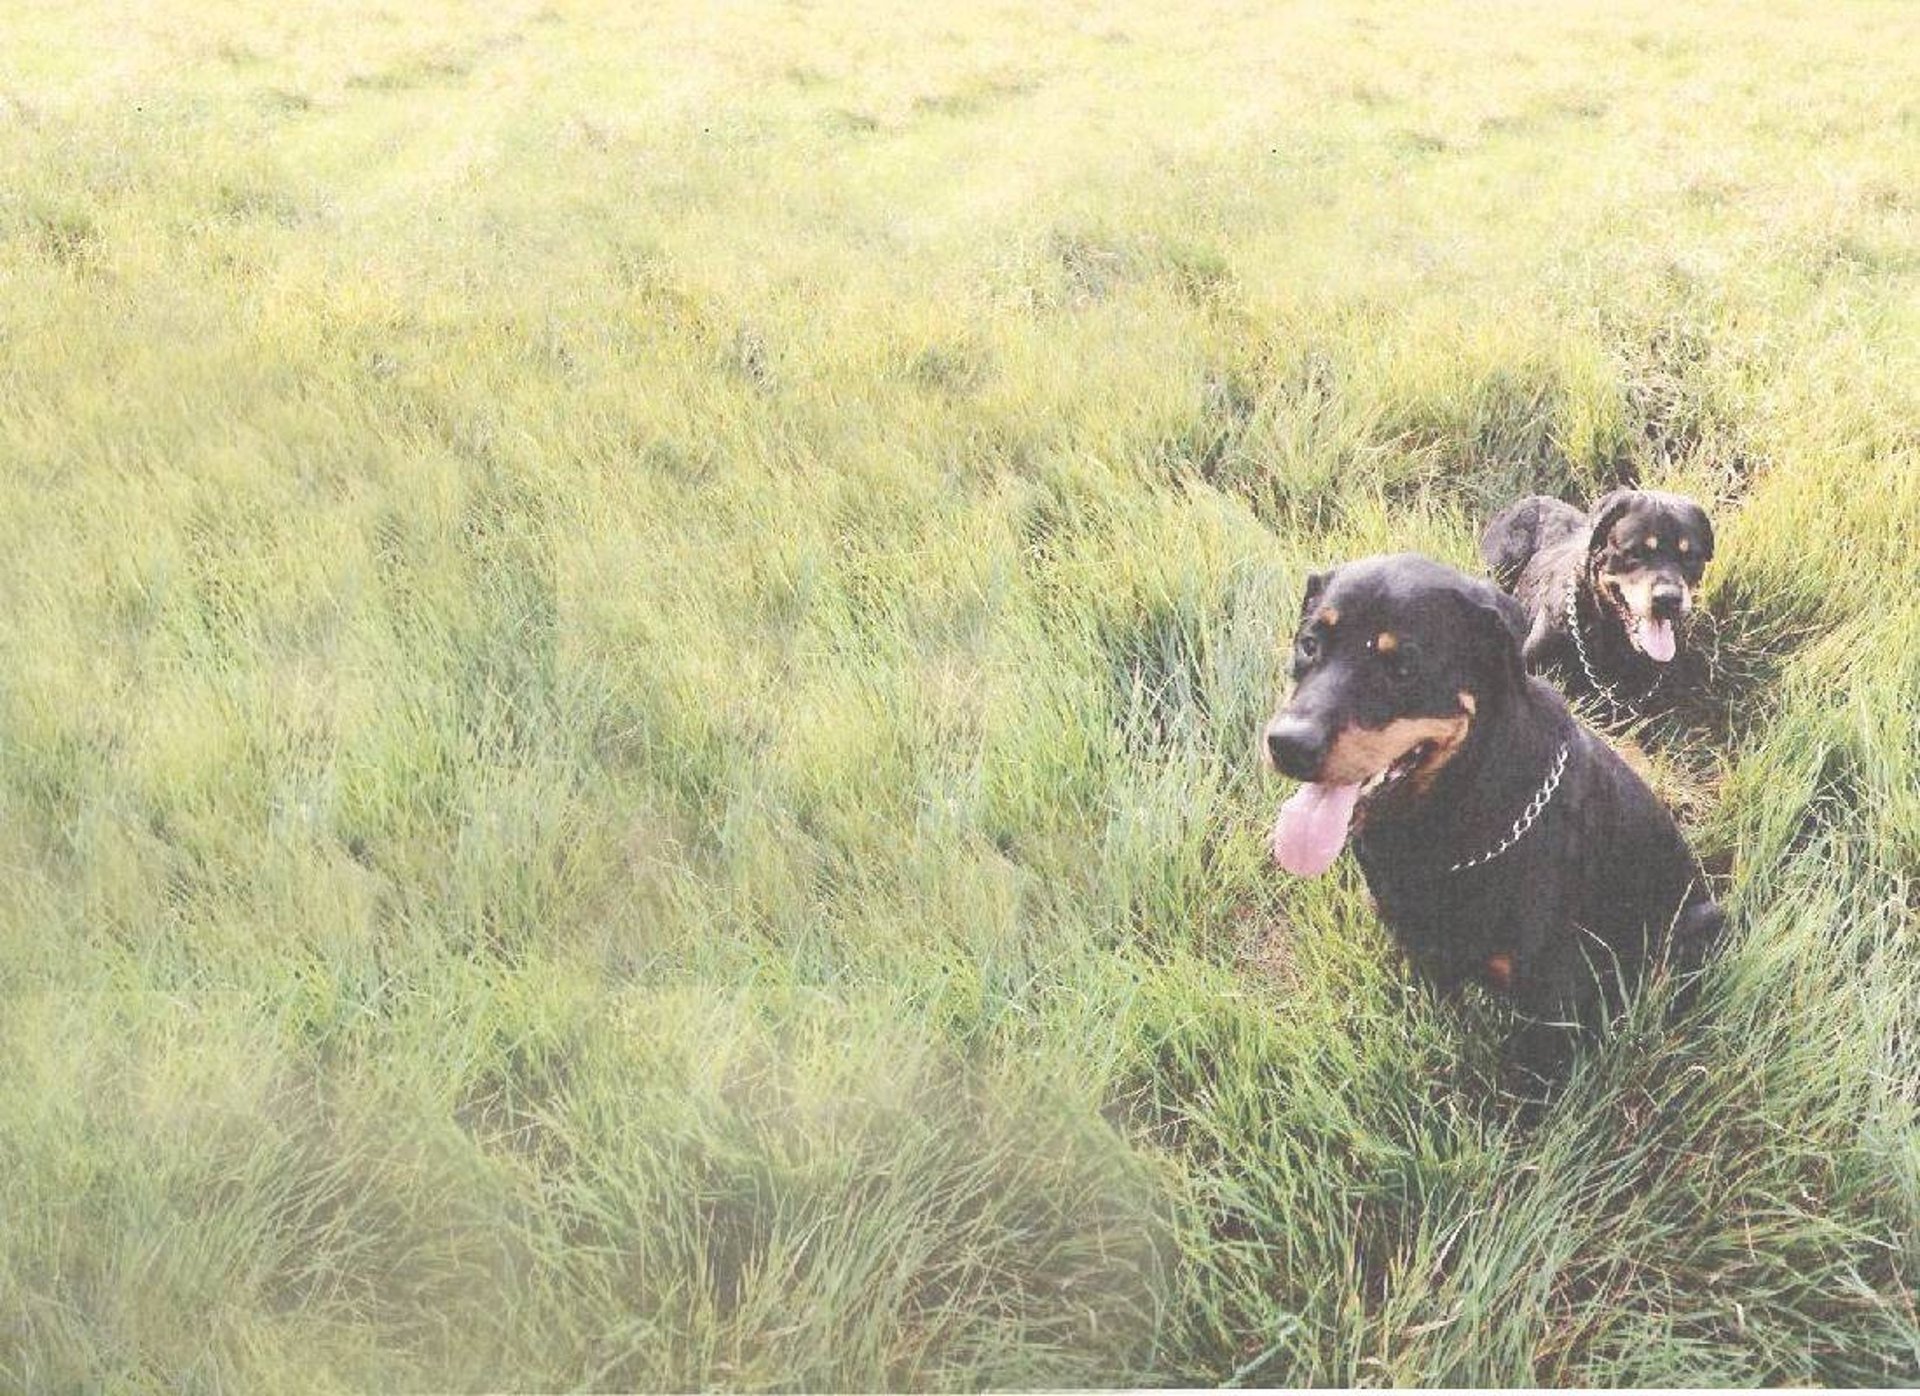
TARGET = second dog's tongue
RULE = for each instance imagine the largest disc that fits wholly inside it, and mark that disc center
(1656, 640)
(1313, 828)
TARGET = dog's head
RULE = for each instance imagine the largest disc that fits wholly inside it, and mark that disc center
(1645, 553)
(1394, 660)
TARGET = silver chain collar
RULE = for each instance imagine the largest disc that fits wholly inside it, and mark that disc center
(1535, 807)
(1600, 686)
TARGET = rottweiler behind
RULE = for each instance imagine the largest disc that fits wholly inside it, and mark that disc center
(1503, 842)
(1605, 592)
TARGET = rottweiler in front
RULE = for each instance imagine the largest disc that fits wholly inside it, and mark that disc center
(1503, 842)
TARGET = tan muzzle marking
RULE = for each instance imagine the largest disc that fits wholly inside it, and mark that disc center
(1360, 753)
(1636, 596)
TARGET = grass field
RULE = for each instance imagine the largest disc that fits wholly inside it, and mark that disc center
(630, 640)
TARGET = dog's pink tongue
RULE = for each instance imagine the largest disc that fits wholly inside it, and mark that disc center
(1656, 640)
(1313, 828)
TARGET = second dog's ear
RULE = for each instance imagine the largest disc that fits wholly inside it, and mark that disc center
(1702, 527)
(1605, 514)
(1316, 583)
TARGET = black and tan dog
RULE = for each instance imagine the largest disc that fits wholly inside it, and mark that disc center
(1605, 592)
(1503, 842)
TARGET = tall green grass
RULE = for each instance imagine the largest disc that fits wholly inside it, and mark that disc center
(630, 644)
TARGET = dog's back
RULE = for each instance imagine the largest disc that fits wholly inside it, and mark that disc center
(1523, 529)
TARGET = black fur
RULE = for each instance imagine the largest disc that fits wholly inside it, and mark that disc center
(1538, 548)
(1598, 887)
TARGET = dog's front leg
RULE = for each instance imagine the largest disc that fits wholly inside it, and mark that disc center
(1541, 1050)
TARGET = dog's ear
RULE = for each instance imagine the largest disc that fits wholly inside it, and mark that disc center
(1702, 527)
(1316, 583)
(1605, 514)
(1500, 630)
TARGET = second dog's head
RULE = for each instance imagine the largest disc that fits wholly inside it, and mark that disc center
(1646, 551)
(1395, 659)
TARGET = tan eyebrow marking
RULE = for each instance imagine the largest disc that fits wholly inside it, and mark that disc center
(1329, 617)
(1686, 545)
(1653, 540)
(1386, 642)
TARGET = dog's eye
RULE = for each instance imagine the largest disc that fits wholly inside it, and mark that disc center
(1307, 649)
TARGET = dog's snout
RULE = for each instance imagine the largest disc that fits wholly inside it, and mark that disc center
(1669, 602)
(1296, 746)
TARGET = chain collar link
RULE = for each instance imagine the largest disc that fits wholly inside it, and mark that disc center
(1535, 807)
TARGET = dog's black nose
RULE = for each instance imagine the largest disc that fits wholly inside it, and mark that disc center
(1668, 602)
(1297, 746)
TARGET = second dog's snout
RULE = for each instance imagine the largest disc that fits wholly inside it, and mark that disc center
(1296, 746)
(1668, 602)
